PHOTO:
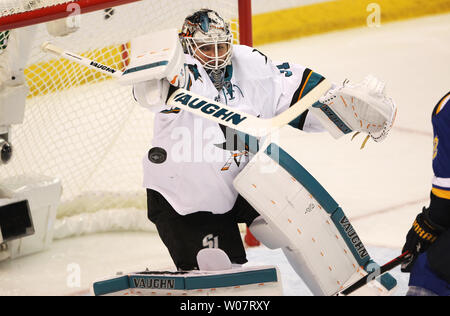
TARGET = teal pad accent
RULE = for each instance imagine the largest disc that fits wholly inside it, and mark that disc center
(387, 280)
(185, 282)
(350, 237)
(111, 286)
(234, 279)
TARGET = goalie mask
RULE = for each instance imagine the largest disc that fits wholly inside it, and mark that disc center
(208, 38)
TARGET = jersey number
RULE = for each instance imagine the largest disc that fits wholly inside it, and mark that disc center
(435, 147)
(211, 241)
(284, 69)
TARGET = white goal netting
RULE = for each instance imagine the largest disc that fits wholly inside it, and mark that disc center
(81, 127)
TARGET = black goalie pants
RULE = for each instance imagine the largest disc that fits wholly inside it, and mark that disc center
(184, 236)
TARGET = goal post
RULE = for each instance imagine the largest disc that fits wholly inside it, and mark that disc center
(245, 22)
(79, 126)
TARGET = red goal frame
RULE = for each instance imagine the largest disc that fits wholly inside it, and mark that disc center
(61, 11)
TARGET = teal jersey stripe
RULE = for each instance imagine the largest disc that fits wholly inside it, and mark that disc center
(313, 81)
(305, 87)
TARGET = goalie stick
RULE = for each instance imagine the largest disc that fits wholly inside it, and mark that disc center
(92, 64)
(210, 109)
(378, 272)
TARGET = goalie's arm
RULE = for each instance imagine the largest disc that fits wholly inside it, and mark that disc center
(150, 75)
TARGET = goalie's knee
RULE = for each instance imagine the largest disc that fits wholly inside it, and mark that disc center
(271, 237)
(213, 259)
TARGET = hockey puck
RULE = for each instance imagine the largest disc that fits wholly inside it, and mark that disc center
(157, 155)
(108, 13)
(5, 152)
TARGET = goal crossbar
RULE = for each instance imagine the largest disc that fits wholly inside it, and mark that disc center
(58, 11)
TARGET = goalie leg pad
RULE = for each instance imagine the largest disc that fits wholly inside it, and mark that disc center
(323, 247)
(270, 236)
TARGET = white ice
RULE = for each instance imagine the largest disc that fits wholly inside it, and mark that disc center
(380, 188)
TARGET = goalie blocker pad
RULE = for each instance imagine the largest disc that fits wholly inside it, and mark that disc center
(157, 62)
(313, 231)
(156, 56)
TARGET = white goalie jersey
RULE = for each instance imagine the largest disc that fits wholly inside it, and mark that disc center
(193, 161)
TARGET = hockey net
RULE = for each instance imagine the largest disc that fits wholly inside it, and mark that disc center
(81, 127)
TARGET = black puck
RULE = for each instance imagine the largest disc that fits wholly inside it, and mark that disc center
(157, 155)
(6, 153)
(108, 13)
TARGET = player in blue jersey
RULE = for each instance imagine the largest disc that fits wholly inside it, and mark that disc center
(429, 238)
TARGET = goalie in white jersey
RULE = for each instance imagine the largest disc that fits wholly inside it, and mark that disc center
(189, 170)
